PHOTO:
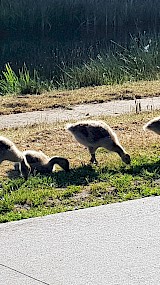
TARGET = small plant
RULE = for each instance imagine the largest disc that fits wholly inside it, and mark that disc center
(23, 83)
(10, 82)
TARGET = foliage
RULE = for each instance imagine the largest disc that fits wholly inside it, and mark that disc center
(140, 61)
(48, 33)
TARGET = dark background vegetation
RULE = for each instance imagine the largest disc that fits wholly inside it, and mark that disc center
(77, 18)
(49, 33)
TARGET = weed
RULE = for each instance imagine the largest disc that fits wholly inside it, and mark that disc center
(22, 83)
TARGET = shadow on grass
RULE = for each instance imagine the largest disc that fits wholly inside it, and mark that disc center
(86, 174)
(82, 175)
(110, 171)
(12, 174)
(142, 169)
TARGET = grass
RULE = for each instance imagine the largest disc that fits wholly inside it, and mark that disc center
(140, 61)
(85, 185)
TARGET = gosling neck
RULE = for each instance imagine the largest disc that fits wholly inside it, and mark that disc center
(120, 150)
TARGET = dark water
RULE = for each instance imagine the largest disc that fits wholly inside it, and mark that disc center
(49, 56)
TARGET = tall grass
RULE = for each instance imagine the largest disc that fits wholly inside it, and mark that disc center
(43, 34)
(141, 61)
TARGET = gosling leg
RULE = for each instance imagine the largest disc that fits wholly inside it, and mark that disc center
(93, 156)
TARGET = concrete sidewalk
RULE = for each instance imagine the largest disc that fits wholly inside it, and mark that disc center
(115, 244)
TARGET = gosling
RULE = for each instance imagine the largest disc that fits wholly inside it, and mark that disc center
(95, 134)
(39, 162)
(9, 151)
(153, 125)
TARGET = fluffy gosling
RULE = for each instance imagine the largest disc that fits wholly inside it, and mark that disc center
(153, 125)
(9, 151)
(41, 163)
(95, 134)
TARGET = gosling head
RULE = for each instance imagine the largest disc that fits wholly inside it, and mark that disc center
(64, 163)
(61, 161)
(126, 158)
(25, 168)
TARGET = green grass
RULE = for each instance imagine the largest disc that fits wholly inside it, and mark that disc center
(84, 186)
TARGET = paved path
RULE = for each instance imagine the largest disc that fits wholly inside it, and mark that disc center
(78, 112)
(117, 244)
